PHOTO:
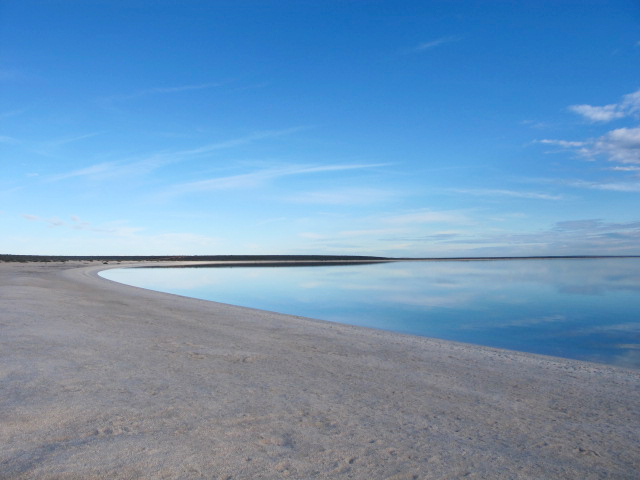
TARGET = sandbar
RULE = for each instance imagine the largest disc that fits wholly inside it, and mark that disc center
(103, 380)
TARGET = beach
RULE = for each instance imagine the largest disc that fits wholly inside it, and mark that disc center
(103, 380)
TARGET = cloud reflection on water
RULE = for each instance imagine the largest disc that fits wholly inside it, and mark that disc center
(579, 308)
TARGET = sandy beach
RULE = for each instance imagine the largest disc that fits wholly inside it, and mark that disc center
(102, 380)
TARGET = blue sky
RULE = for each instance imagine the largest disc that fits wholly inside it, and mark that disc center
(402, 128)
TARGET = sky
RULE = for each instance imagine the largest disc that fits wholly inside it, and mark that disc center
(361, 127)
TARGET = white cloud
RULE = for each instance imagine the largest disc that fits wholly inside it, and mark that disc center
(631, 102)
(562, 143)
(621, 145)
(628, 183)
(629, 105)
(626, 169)
(605, 113)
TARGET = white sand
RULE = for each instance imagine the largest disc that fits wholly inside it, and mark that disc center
(102, 380)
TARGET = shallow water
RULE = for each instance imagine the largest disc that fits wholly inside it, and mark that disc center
(587, 309)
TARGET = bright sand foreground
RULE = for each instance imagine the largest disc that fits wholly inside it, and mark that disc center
(102, 380)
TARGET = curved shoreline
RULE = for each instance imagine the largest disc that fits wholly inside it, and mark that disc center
(102, 379)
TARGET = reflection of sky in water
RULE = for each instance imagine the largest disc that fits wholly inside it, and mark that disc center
(584, 309)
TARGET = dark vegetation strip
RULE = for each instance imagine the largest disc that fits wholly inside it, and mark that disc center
(188, 258)
(279, 263)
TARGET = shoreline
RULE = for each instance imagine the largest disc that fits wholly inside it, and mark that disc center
(282, 259)
(105, 379)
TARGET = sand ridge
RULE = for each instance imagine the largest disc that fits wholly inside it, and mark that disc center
(103, 380)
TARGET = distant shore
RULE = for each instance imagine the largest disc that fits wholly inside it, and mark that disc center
(275, 258)
(104, 380)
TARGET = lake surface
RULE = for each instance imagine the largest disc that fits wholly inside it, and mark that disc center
(587, 309)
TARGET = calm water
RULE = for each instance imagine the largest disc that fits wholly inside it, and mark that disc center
(586, 309)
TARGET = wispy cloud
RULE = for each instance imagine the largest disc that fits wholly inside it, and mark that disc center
(10, 74)
(345, 196)
(619, 186)
(71, 139)
(153, 161)
(109, 170)
(8, 140)
(629, 105)
(507, 193)
(428, 216)
(158, 91)
(627, 181)
(563, 143)
(76, 223)
(594, 225)
(436, 43)
(536, 124)
(260, 177)
(590, 236)
(49, 148)
(369, 232)
(12, 113)
(183, 88)
(626, 169)
(237, 142)
(352, 234)
(621, 145)
(52, 222)
(121, 238)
